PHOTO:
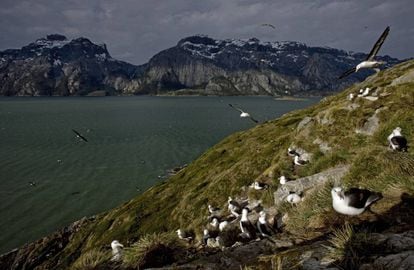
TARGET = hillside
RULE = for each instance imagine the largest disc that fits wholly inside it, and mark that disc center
(197, 65)
(348, 144)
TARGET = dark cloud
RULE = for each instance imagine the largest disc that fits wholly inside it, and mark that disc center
(135, 30)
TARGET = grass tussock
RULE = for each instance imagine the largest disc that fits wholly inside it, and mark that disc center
(91, 260)
(153, 250)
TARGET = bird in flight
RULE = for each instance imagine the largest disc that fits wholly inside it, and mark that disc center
(244, 114)
(78, 135)
(370, 62)
(268, 25)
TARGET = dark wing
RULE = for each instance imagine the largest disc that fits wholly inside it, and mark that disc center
(268, 24)
(378, 44)
(236, 108)
(400, 141)
(254, 120)
(357, 197)
(347, 73)
(79, 135)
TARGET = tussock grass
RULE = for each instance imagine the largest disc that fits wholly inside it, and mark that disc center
(153, 250)
(91, 260)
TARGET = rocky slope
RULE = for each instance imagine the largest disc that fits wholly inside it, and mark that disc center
(313, 235)
(196, 65)
(251, 67)
(57, 66)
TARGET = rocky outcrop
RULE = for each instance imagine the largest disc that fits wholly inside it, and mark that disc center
(303, 184)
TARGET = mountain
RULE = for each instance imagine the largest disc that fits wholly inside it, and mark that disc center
(251, 67)
(57, 66)
(196, 65)
(346, 142)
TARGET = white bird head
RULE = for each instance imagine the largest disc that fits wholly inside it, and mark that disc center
(282, 180)
(245, 211)
(205, 232)
(229, 200)
(262, 214)
(214, 222)
(397, 131)
(338, 193)
(178, 231)
(115, 244)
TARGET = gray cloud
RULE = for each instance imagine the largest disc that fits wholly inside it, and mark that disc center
(135, 30)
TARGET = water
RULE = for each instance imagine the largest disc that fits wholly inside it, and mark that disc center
(132, 140)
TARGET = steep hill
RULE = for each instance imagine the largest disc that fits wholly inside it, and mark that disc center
(347, 141)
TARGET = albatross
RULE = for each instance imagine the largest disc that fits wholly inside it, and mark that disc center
(369, 62)
(244, 114)
(268, 25)
(397, 140)
(78, 135)
(353, 201)
(116, 250)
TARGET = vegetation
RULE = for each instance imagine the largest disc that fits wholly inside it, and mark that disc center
(260, 154)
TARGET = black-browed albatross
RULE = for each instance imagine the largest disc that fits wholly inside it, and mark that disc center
(370, 62)
(244, 114)
(78, 135)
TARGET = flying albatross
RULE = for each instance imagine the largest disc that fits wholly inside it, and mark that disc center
(353, 201)
(268, 25)
(78, 135)
(244, 114)
(370, 62)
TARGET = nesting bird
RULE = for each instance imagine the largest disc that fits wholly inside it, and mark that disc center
(216, 224)
(247, 228)
(351, 97)
(234, 207)
(215, 211)
(293, 198)
(354, 201)
(117, 251)
(397, 141)
(185, 235)
(292, 152)
(263, 226)
(283, 180)
(300, 161)
(259, 186)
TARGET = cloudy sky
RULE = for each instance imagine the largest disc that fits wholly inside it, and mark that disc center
(135, 30)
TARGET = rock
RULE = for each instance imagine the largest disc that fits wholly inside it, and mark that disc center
(323, 146)
(400, 261)
(406, 78)
(305, 183)
(371, 125)
(305, 121)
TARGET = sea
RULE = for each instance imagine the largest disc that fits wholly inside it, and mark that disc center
(50, 178)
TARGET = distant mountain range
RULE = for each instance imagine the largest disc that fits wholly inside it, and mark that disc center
(196, 65)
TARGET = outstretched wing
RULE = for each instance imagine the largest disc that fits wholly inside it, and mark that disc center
(254, 120)
(269, 25)
(347, 73)
(378, 44)
(79, 135)
(240, 110)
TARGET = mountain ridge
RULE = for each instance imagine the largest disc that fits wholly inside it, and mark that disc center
(196, 65)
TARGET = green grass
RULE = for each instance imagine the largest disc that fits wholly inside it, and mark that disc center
(238, 160)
